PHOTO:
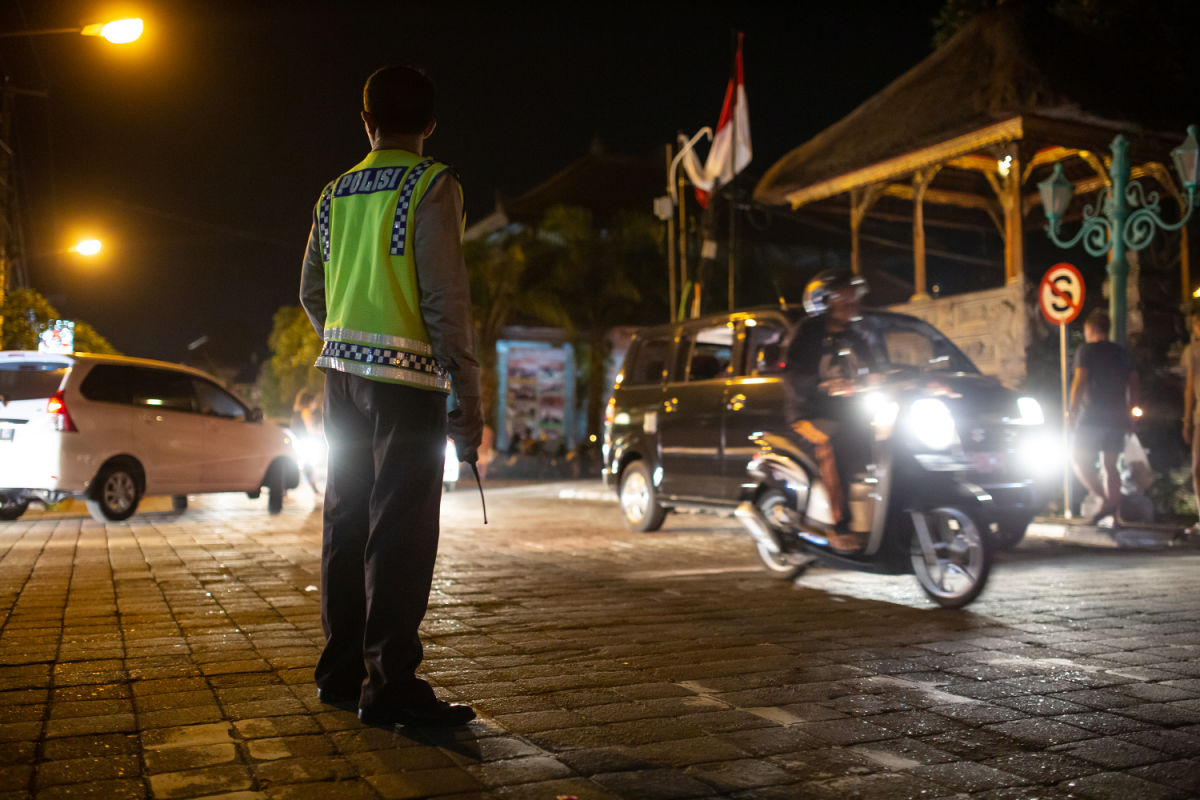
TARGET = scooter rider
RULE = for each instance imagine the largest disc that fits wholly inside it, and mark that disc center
(826, 356)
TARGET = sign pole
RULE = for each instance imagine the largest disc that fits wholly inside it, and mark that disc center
(1062, 360)
(1060, 297)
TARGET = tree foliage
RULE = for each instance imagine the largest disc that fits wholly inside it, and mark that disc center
(504, 292)
(570, 272)
(603, 275)
(294, 347)
(1149, 35)
(26, 313)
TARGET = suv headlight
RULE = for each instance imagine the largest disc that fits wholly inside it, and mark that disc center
(1031, 411)
(932, 423)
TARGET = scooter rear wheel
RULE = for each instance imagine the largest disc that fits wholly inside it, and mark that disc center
(957, 569)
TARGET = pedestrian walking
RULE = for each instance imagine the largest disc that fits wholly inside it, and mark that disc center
(1104, 391)
(1191, 391)
(385, 284)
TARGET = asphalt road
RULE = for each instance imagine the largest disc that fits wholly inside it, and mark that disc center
(171, 657)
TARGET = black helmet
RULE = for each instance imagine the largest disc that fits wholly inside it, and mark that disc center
(824, 284)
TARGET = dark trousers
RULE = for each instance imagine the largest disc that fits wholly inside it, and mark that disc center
(387, 444)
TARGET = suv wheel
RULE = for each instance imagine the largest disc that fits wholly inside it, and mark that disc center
(179, 503)
(1009, 529)
(115, 494)
(639, 499)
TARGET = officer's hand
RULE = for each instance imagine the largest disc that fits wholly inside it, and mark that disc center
(466, 429)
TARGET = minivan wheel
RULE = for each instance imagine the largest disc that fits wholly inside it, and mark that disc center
(179, 502)
(275, 490)
(11, 508)
(639, 499)
(115, 494)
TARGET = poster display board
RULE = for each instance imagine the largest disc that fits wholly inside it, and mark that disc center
(536, 394)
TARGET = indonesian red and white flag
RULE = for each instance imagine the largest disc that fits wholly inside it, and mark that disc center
(717, 168)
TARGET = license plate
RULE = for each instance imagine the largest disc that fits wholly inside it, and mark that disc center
(6, 434)
(986, 461)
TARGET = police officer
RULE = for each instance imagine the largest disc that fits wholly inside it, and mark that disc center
(385, 284)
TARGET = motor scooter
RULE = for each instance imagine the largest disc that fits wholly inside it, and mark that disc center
(911, 500)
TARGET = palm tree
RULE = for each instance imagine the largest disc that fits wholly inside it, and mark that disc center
(503, 292)
(601, 276)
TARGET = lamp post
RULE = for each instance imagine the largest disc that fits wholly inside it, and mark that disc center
(664, 209)
(121, 31)
(1124, 217)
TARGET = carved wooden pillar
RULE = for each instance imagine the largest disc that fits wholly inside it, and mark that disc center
(1010, 201)
(861, 199)
(921, 180)
(1185, 271)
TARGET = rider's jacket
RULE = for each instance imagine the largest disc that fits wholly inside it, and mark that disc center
(365, 222)
(817, 355)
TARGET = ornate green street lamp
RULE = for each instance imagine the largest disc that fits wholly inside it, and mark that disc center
(1124, 216)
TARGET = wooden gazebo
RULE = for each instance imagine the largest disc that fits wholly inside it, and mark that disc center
(961, 140)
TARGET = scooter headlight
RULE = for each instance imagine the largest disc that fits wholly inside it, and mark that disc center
(932, 423)
(882, 411)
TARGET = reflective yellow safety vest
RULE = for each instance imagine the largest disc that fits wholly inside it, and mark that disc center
(365, 219)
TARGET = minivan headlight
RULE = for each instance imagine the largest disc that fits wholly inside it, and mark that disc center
(932, 423)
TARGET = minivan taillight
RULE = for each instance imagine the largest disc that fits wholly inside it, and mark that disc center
(56, 407)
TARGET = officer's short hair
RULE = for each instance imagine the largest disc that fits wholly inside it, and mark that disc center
(1098, 321)
(401, 98)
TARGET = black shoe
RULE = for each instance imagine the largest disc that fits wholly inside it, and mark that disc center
(438, 714)
(337, 697)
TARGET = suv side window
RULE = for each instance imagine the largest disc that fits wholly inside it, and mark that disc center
(108, 383)
(161, 388)
(216, 402)
(765, 353)
(711, 353)
(649, 361)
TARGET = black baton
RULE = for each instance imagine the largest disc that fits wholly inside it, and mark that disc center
(479, 483)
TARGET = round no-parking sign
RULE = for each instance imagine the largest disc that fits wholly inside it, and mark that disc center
(1061, 293)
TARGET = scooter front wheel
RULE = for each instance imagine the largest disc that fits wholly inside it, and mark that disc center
(773, 505)
(951, 555)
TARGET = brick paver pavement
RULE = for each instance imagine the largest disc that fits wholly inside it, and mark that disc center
(171, 657)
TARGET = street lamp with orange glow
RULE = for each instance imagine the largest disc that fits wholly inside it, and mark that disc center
(87, 247)
(118, 31)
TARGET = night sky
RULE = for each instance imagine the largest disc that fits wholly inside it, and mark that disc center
(197, 153)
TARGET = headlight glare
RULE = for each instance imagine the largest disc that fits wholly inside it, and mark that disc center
(932, 423)
(1041, 455)
(1031, 411)
(882, 411)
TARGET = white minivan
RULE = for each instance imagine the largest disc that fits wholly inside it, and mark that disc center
(111, 430)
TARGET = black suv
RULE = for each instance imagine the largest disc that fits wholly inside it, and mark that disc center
(678, 428)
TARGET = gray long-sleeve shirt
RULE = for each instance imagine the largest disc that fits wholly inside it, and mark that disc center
(441, 275)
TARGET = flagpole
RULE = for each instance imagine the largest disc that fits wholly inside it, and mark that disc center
(670, 243)
(733, 161)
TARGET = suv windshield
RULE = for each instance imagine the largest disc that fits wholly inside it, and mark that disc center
(30, 380)
(908, 343)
